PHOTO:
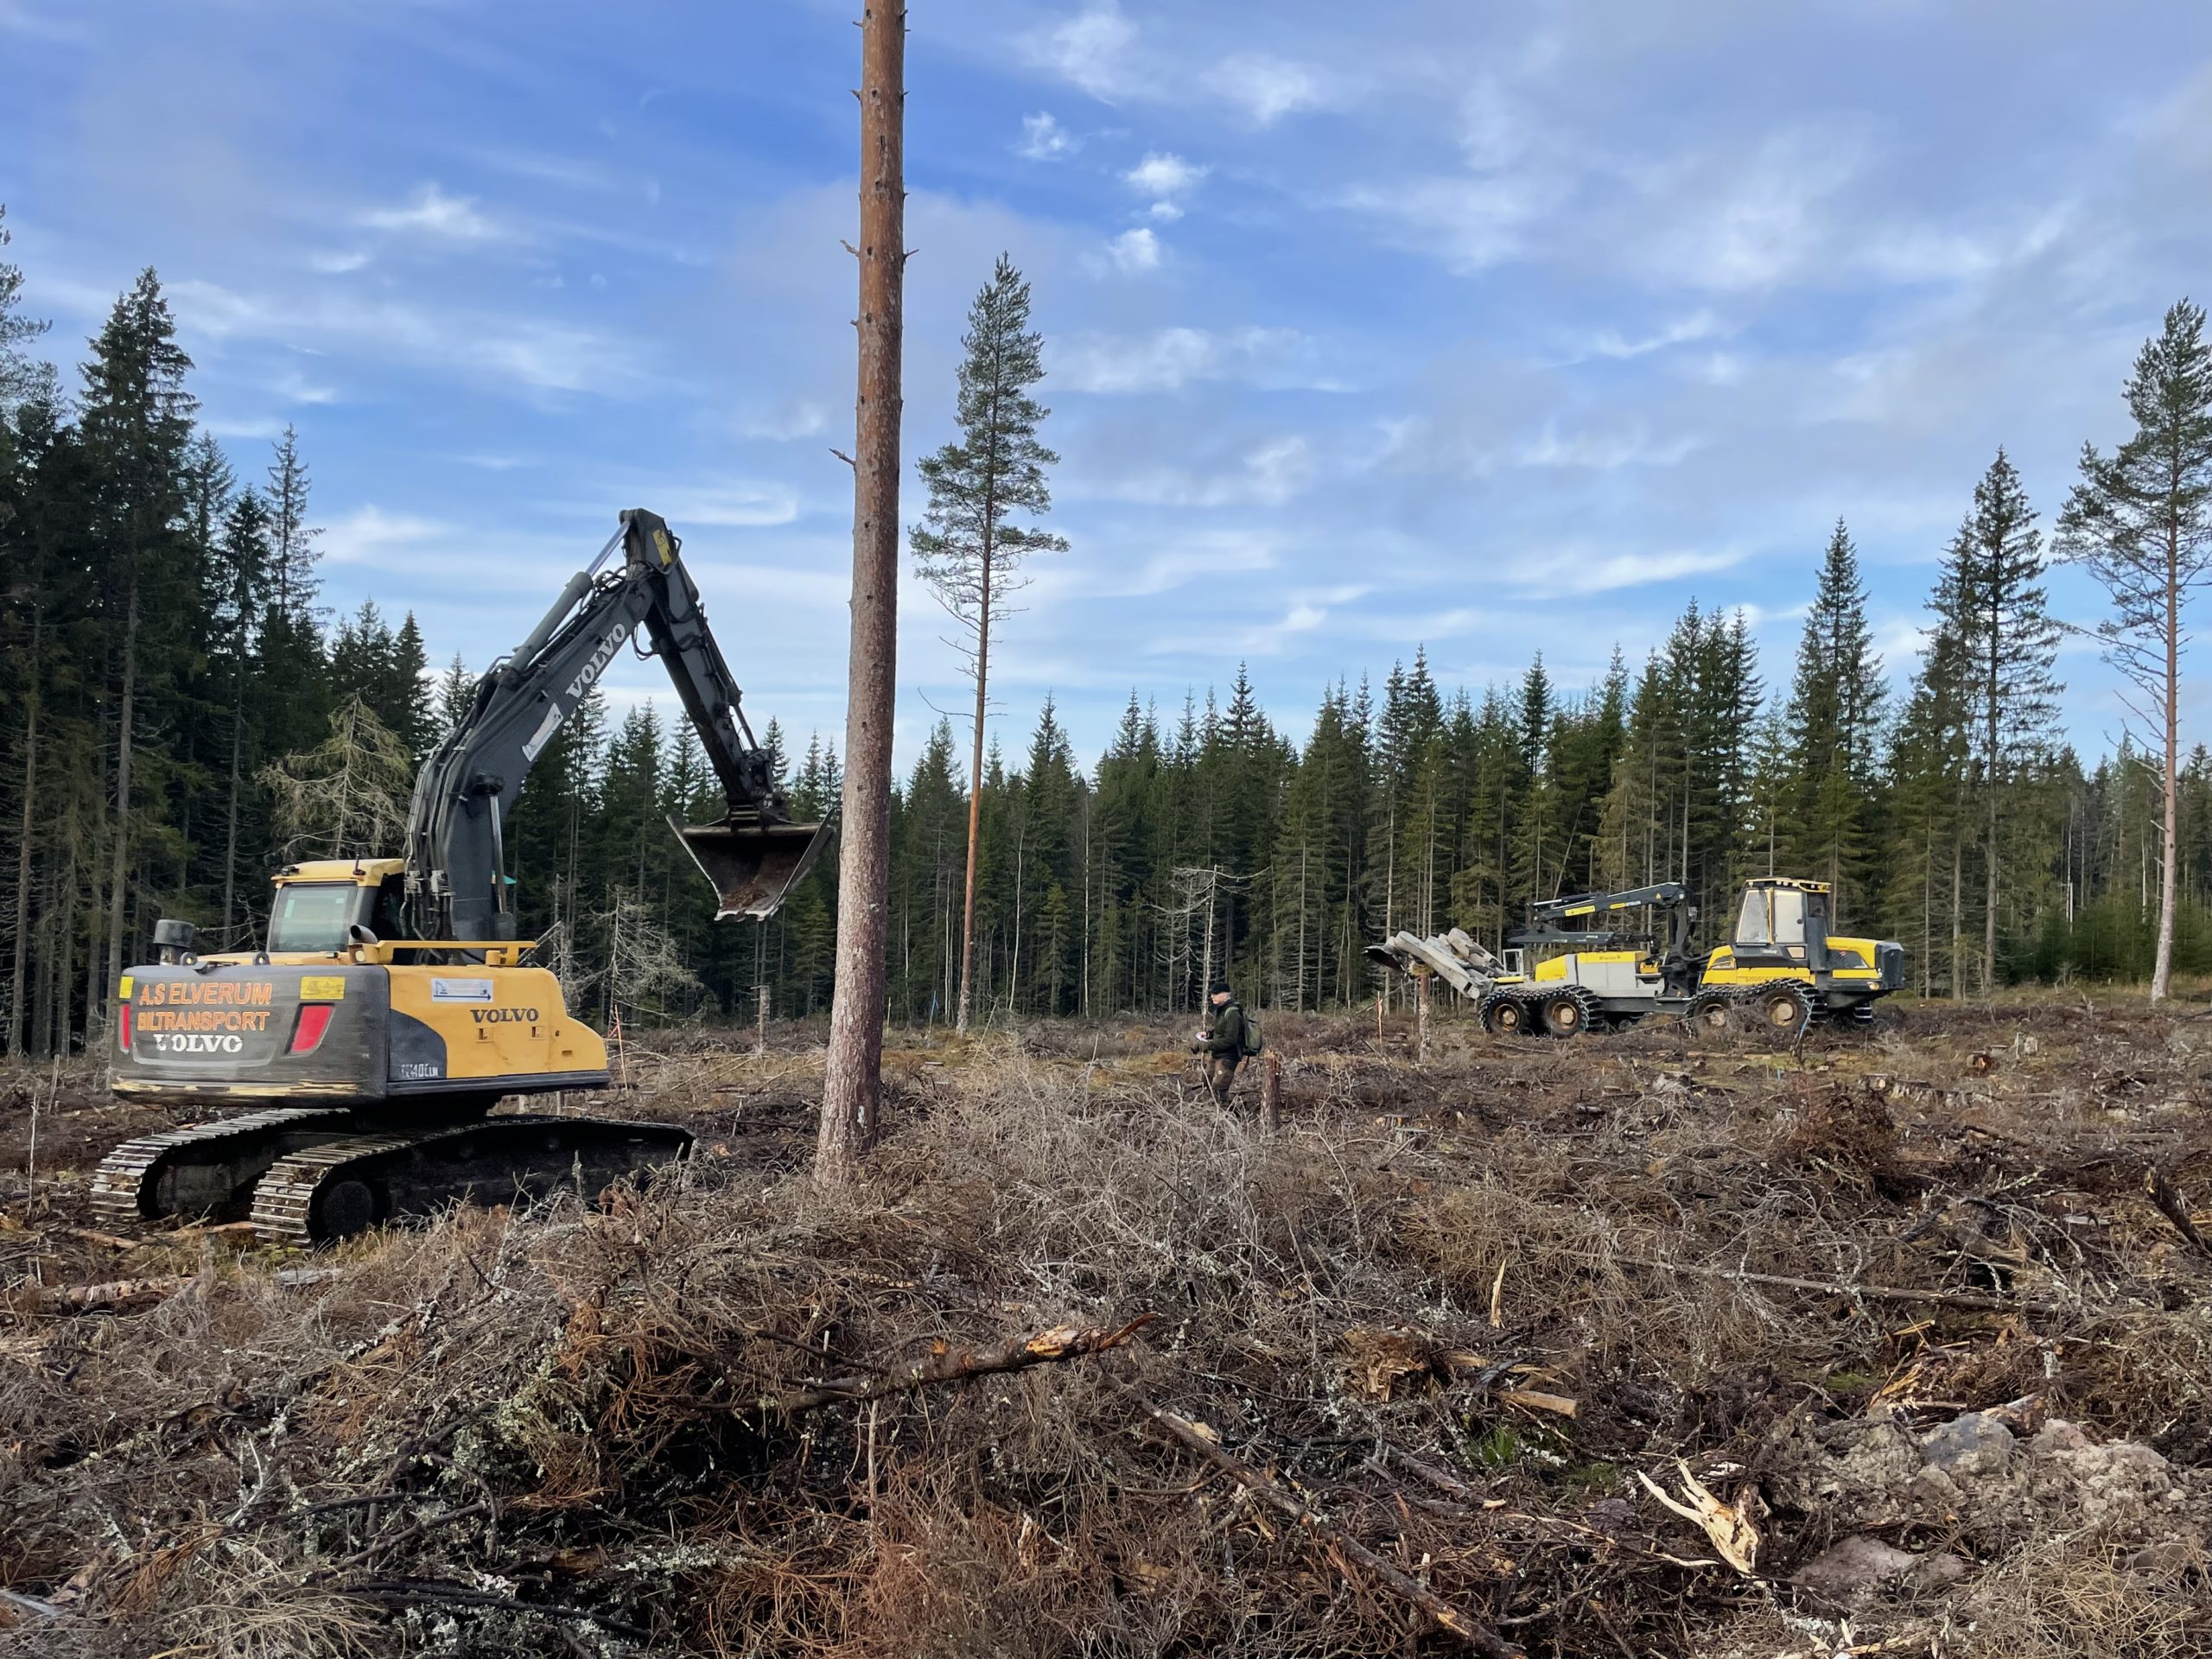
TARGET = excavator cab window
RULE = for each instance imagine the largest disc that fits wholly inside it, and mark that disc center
(311, 917)
(1788, 916)
(387, 920)
(1753, 927)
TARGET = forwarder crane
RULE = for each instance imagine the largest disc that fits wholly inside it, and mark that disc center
(391, 1007)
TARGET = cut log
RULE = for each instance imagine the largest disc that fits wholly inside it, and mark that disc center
(945, 1363)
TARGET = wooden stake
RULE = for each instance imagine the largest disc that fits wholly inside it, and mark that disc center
(761, 1041)
(852, 1083)
(1271, 1091)
(1420, 1019)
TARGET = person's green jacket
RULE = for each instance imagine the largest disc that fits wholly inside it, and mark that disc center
(1227, 1033)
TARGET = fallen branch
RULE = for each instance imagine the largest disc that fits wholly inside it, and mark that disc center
(407, 1591)
(92, 1236)
(1879, 1293)
(2169, 1204)
(1342, 1546)
(945, 1363)
(117, 1293)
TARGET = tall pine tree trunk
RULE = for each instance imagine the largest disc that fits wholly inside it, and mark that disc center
(18, 1015)
(852, 1083)
(976, 794)
(119, 870)
(2163, 966)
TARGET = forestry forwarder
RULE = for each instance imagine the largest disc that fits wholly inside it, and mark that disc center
(392, 1007)
(1780, 968)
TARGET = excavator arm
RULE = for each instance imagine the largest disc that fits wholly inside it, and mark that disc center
(456, 878)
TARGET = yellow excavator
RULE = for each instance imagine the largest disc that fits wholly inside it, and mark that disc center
(393, 1004)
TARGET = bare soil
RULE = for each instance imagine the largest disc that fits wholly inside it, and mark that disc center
(1895, 1343)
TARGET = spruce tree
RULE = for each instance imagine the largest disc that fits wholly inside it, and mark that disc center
(1832, 727)
(22, 376)
(2003, 622)
(136, 422)
(2140, 519)
(970, 546)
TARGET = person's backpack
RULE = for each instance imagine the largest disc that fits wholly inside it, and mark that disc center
(1247, 1041)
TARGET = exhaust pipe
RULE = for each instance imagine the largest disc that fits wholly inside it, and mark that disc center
(752, 866)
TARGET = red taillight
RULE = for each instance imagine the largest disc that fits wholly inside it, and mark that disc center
(315, 1019)
(123, 1027)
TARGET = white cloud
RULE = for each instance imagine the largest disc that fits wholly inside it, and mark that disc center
(337, 263)
(1601, 452)
(1133, 251)
(1570, 572)
(1269, 474)
(298, 389)
(1089, 50)
(1170, 359)
(430, 212)
(1609, 342)
(1471, 223)
(368, 535)
(509, 352)
(1733, 222)
(1266, 88)
(747, 505)
(1044, 139)
(800, 418)
(1162, 173)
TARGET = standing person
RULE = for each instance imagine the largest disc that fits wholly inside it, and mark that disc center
(1222, 1040)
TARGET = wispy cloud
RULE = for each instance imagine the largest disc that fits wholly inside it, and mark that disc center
(1573, 572)
(1135, 250)
(1044, 139)
(502, 352)
(1267, 88)
(1089, 50)
(429, 211)
(1167, 178)
(1168, 360)
(368, 535)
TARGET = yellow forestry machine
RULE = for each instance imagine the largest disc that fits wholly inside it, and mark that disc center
(1780, 968)
(392, 1006)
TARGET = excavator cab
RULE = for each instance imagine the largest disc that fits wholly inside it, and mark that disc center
(751, 863)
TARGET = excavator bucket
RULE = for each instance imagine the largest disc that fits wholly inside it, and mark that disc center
(752, 864)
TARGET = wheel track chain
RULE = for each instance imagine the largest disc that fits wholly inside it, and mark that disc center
(283, 1197)
(123, 1182)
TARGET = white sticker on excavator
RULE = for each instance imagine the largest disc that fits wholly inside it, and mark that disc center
(543, 735)
(460, 990)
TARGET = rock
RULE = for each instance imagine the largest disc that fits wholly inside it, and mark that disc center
(1860, 1568)
(1970, 1445)
(2169, 1560)
(2058, 1435)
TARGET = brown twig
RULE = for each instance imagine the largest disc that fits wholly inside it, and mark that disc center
(2169, 1203)
(409, 1589)
(1341, 1545)
(1879, 1293)
(944, 1363)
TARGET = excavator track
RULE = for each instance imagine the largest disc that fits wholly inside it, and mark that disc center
(330, 1191)
(205, 1167)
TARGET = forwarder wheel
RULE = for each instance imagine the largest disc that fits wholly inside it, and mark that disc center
(1784, 1010)
(1564, 1014)
(1710, 1013)
(1505, 1016)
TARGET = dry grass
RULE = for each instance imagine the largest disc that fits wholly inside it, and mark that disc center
(563, 1409)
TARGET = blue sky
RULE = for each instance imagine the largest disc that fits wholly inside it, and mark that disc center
(1493, 328)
